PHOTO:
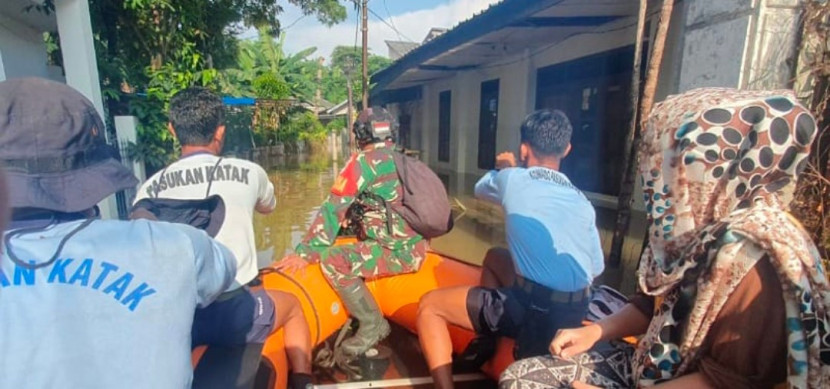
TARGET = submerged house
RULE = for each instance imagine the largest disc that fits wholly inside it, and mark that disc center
(461, 96)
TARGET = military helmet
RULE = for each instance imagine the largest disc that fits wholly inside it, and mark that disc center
(375, 124)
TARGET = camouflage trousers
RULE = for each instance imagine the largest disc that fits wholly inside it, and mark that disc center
(343, 265)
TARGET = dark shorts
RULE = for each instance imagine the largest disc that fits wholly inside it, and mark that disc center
(239, 317)
(530, 315)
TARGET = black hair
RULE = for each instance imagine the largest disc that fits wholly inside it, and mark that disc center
(195, 113)
(548, 132)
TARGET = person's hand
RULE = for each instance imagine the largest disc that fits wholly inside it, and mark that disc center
(573, 341)
(291, 263)
(505, 160)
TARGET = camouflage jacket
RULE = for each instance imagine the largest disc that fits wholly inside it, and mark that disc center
(371, 171)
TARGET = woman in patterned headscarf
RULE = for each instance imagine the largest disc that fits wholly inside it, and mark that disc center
(732, 289)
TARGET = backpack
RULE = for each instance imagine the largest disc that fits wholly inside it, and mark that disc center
(425, 205)
(206, 214)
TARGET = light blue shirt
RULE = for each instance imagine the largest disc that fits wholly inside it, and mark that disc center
(114, 311)
(550, 226)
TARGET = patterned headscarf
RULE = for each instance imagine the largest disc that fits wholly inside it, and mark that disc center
(718, 167)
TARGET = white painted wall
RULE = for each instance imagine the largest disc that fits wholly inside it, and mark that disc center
(22, 51)
(23, 54)
(729, 43)
(739, 43)
(773, 55)
(517, 97)
(75, 31)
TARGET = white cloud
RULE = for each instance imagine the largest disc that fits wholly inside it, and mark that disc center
(413, 25)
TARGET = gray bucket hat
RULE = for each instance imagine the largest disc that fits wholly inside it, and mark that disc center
(53, 149)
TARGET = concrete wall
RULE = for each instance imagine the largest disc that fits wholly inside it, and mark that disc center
(771, 62)
(22, 51)
(728, 43)
(739, 44)
(517, 98)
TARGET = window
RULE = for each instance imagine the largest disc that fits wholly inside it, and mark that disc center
(405, 131)
(444, 106)
(487, 124)
(594, 92)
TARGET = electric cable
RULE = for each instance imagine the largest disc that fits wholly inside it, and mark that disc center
(400, 34)
(391, 20)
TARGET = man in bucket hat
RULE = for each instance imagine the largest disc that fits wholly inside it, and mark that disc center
(84, 302)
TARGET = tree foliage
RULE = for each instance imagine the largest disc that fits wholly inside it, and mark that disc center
(150, 49)
(812, 197)
(265, 55)
(268, 86)
(346, 64)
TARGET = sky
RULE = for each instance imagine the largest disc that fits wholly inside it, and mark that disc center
(412, 19)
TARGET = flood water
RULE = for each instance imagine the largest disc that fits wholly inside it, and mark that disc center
(302, 183)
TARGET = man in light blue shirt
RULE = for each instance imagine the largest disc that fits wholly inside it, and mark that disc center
(84, 302)
(541, 282)
(546, 218)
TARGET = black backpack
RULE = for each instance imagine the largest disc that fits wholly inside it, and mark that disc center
(425, 205)
(206, 214)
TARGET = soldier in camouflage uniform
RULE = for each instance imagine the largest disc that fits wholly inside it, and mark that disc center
(362, 196)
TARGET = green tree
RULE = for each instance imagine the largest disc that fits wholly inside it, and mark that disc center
(346, 63)
(268, 86)
(301, 125)
(157, 47)
(265, 56)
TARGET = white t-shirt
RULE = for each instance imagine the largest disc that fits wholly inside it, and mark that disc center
(242, 185)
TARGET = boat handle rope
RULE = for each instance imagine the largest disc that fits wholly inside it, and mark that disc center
(269, 270)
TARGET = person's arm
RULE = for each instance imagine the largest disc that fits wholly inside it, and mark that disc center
(487, 188)
(266, 200)
(353, 179)
(491, 186)
(626, 322)
(215, 265)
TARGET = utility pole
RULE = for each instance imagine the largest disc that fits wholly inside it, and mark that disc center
(318, 95)
(633, 141)
(350, 114)
(365, 10)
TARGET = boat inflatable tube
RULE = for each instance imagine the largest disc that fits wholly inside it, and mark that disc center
(397, 296)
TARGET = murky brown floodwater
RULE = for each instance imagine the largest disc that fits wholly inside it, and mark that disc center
(303, 182)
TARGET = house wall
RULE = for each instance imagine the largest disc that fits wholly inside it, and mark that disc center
(22, 51)
(739, 43)
(517, 98)
(728, 43)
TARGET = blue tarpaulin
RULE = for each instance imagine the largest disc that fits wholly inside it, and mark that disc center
(229, 100)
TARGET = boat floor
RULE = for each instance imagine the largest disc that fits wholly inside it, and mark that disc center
(407, 367)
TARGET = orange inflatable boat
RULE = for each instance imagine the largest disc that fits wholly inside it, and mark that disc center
(397, 296)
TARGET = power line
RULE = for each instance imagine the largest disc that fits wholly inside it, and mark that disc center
(390, 26)
(391, 20)
(293, 23)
